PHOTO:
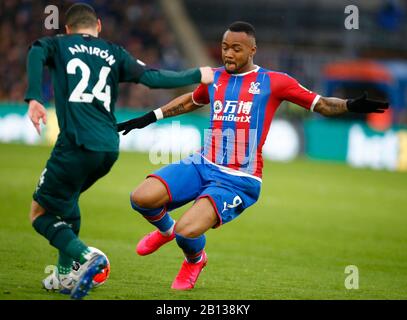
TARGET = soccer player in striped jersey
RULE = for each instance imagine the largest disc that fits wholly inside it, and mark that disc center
(224, 178)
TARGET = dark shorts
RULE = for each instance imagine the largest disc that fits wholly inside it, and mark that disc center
(70, 170)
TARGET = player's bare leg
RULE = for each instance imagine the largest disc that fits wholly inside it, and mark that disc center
(190, 238)
(150, 199)
(151, 194)
(197, 220)
(36, 210)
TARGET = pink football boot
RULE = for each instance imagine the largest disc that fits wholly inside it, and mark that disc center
(189, 273)
(152, 242)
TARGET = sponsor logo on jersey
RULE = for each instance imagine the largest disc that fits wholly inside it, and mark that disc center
(233, 110)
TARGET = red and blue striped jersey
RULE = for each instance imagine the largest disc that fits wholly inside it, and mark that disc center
(242, 108)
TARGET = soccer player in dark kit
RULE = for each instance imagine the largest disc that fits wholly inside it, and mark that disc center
(86, 71)
(224, 178)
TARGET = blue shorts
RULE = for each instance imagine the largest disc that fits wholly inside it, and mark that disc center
(194, 178)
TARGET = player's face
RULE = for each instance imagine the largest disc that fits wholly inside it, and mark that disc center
(238, 49)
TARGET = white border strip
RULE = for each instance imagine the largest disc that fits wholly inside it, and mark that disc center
(231, 171)
(195, 103)
(316, 99)
(159, 114)
(257, 68)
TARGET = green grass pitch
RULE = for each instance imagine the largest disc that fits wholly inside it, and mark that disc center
(312, 220)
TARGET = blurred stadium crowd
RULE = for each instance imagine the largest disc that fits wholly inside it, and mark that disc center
(298, 37)
(138, 25)
(307, 39)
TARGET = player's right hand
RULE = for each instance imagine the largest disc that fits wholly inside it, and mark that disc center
(207, 75)
(37, 112)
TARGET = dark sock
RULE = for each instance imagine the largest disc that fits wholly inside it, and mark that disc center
(192, 247)
(64, 261)
(159, 217)
(78, 250)
(61, 236)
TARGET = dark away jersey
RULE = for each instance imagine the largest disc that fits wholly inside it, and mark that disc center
(85, 72)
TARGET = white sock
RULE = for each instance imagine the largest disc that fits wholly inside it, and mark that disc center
(169, 231)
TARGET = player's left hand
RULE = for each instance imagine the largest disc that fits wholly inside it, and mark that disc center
(37, 112)
(364, 105)
(136, 123)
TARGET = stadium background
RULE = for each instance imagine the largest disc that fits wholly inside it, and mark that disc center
(316, 214)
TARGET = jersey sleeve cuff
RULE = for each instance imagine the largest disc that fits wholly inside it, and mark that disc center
(196, 103)
(158, 114)
(316, 99)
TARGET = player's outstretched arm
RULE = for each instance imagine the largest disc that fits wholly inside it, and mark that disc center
(182, 104)
(134, 70)
(173, 79)
(335, 106)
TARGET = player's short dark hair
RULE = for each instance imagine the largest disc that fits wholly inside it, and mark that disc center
(242, 26)
(81, 15)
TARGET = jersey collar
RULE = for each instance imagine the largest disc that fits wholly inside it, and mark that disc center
(256, 69)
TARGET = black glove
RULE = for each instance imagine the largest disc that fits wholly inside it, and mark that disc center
(137, 123)
(364, 105)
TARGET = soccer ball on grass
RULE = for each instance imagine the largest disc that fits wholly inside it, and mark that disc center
(101, 277)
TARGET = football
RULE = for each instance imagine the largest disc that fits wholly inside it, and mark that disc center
(101, 277)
